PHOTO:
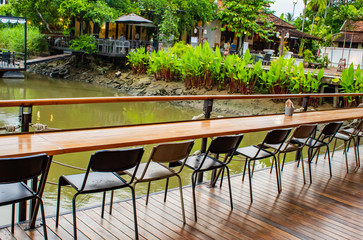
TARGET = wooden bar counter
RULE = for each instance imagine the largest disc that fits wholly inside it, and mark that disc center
(60, 142)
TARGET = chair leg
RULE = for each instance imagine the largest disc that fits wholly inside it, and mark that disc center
(283, 161)
(253, 168)
(278, 175)
(134, 208)
(58, 205)
(220, 185)
(250, 179)
(272, 165)
(111, 201)
(356, 152)
(335, 143)
(302, 166)
(310, 159)
(358, 142)
(229, 185)
(244, 170)
(43, 217)
(74, 216)
(12, 217)
(166, 189)
(346, 155)
(103, 204)
(148, 192)
(193, 188)
(317, 152)
(181, 197)
(327, 148)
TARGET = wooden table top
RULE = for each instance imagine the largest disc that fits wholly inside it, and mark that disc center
(54, 143)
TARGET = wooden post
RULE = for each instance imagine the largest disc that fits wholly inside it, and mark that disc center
(25, 120)
(208, 106)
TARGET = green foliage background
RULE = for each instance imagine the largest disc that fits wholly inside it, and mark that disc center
(12, 38)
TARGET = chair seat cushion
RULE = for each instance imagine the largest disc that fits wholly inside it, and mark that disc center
(286, 147)
(12, 192)
(251, 151)
(342, 136)
(95, 181)
(154, 171)
(210, 163)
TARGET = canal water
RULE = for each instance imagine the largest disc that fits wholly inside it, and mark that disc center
(93, 115)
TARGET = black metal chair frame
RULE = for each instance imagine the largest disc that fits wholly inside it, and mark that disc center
(109, 162)
(323, 140)
(14, 172)
(171, 153)
(220, 145)
(347, 136)
(302, 132)
(270, 138)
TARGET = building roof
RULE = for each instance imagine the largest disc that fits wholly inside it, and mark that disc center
(351, 32)
(351, 26)
(279, 23)
(355, 37)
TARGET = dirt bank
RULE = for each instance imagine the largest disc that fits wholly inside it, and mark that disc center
(111, 76)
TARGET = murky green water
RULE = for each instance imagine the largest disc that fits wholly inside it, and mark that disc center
(92, 115)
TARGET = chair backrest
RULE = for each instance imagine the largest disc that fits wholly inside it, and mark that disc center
(359, 128)
(115, 160)
(22, 168)
(331, 129)
(6, 56)
(127, 44)
(119, 43)
(225, 144)
(277, 136)
(171, 152)
(304, 131)
(267, 57)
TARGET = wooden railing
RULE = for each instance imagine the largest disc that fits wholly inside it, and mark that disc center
(65, 101)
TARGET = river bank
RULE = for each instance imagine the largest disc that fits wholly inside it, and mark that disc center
(111, 75)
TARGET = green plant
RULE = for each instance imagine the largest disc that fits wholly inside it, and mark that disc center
(12, 38)
(308, 56)
(352, 82)
(138, 60)
(84, 43)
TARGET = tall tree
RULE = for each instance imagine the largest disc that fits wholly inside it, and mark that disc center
(174, 17)
(39, 12)
(244, 17)
(316, 6)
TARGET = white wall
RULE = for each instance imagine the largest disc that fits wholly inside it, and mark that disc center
(334, 54)
(213, 33)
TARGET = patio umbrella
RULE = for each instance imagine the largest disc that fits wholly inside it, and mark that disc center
(133, 19)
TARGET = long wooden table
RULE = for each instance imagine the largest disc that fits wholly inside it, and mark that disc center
(54, 143)
(61, 142)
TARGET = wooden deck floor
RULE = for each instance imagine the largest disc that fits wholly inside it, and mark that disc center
(327, 209)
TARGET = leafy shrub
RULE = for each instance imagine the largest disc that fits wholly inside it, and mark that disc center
(138, 60)
(352, 82)
(84, 43)
(12, 38)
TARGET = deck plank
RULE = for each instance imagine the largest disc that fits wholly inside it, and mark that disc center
(329, 208)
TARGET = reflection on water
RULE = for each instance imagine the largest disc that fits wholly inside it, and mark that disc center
(92, 115)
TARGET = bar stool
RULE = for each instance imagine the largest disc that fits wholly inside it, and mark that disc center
(105, 165)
